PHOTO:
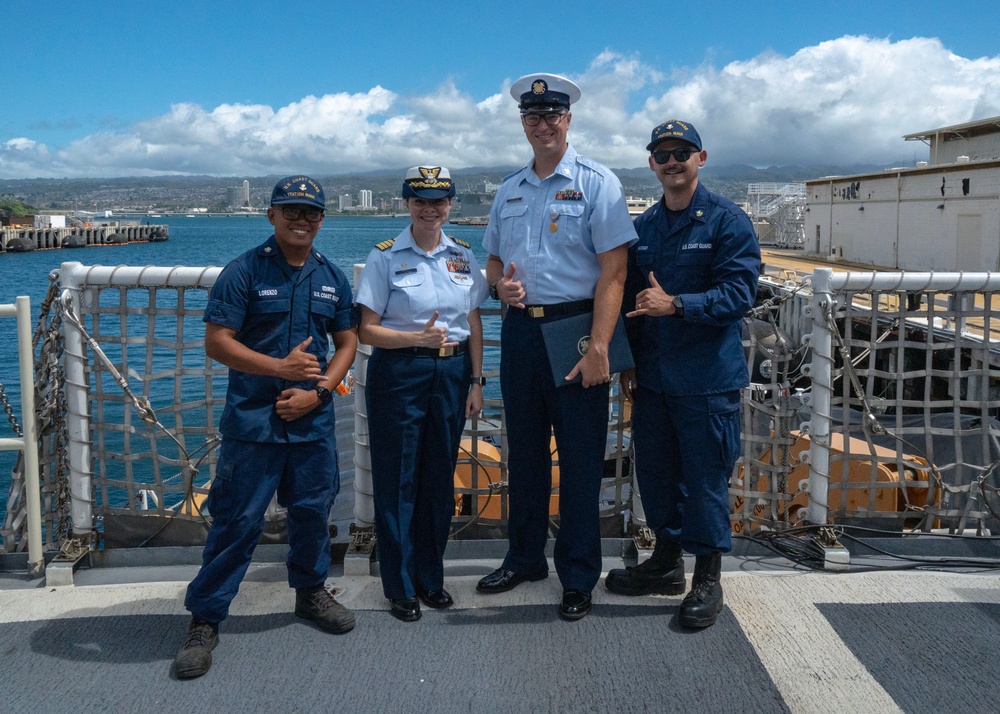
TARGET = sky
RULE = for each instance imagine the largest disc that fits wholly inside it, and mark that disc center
(132, 88)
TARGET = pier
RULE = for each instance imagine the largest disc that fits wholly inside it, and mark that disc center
(19, 240)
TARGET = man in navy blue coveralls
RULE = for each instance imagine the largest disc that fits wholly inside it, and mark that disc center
(270, 317)
(692, 277)
(557, 240)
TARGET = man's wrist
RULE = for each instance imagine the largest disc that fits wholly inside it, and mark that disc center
(494, 293)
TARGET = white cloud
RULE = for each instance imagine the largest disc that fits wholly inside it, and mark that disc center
(848, 100)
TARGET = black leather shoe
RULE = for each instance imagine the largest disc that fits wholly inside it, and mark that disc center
(406, 609)
(501, 580)
(437, 599)
(575, 604)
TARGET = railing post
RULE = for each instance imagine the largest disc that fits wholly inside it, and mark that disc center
(821, 373)
(29, 425)
(77, 403)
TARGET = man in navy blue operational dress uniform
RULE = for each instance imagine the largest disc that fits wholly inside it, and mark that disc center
(557, 241)
(270, 319)
(692, 277)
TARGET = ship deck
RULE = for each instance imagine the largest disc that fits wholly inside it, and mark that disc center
(787, 641)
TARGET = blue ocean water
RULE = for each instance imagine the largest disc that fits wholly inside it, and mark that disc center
(196, 242)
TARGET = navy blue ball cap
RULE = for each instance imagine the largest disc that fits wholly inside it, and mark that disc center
(298, 189)
(675, 129)
(542, 92)
(428, 182)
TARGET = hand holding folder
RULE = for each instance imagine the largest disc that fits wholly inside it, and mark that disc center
(566, 341)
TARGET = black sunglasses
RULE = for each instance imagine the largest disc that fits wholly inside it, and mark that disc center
(680, 155)
(313, 215)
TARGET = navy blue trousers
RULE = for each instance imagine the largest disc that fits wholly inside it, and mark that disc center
(306, 478)
(535, 409)
(416, 413)
(685, 452)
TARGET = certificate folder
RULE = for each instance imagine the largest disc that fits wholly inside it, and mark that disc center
(567, 339)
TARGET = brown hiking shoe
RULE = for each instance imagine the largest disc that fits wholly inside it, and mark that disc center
(195, 657)
(318, 605)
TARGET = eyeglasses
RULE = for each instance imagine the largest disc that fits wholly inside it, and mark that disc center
(535, 119)
(680, 155)
(313, 215)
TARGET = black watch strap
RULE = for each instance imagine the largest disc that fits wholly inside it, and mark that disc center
(493, 290)
(481, 381)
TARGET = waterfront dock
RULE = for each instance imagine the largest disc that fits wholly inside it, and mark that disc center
(19, 240)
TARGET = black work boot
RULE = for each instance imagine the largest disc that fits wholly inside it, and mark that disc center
(317, 604)
(704, 603)
(661, 574)
(195, 657)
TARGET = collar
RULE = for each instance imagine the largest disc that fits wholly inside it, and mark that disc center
(405, 241)
(565, 168)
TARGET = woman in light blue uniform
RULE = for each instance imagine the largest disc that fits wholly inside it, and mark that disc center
(419, 295)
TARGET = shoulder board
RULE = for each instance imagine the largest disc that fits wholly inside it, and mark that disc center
(460, 242)
(590, 163)
(386, 244)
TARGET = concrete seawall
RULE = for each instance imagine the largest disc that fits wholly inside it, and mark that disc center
(13, 240)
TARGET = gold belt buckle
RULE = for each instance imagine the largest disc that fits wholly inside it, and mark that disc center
(446, 351)
(536, 311)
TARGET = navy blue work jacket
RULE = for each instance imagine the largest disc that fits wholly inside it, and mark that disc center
(274, 307)
(711, 259)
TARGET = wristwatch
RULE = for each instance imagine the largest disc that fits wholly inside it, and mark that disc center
(493, 291)
(678, 306)
(324, 394)
(481, 381)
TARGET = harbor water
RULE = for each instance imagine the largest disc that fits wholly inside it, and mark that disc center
(198, 241)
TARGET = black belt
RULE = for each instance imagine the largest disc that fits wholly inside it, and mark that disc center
(448, 351)
(563, 308)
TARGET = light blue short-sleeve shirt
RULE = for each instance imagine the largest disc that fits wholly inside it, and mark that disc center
(553, 229)
(405, 285)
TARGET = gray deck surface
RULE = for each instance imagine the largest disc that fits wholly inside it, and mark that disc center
(787, 641)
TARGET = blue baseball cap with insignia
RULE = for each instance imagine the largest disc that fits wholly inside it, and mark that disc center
(298, 189)
(675, 129)
(428, 182)
(544, 93)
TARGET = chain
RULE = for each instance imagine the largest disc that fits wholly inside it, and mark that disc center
(9, 411)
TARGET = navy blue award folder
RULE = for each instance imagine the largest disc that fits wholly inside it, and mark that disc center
(567, 340)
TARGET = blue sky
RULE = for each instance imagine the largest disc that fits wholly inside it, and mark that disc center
(120, 88)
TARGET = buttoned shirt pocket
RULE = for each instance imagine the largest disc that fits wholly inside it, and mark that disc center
(462, 288)
(692, 269)
(413, 284)
(322, 312)
(514, 227)
(568, 220)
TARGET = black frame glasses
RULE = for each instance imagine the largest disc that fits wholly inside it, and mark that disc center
(550, 118)
(312, 215)
(680, 155)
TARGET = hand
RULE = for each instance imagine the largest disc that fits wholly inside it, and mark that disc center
(295, 403)
(474, 402)
(593, 367)
(433, 336)
(653, 301)
(628, 384)
(299, 364)
(511, 291)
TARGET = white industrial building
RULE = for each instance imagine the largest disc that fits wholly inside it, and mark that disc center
(943, 214)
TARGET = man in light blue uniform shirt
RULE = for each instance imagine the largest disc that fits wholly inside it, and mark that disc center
(557, 240)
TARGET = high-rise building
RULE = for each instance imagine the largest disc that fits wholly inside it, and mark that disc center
(346, 202)
(365, 199)
(246, 192)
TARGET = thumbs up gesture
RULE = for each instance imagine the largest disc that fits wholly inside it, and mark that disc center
(300, 364)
